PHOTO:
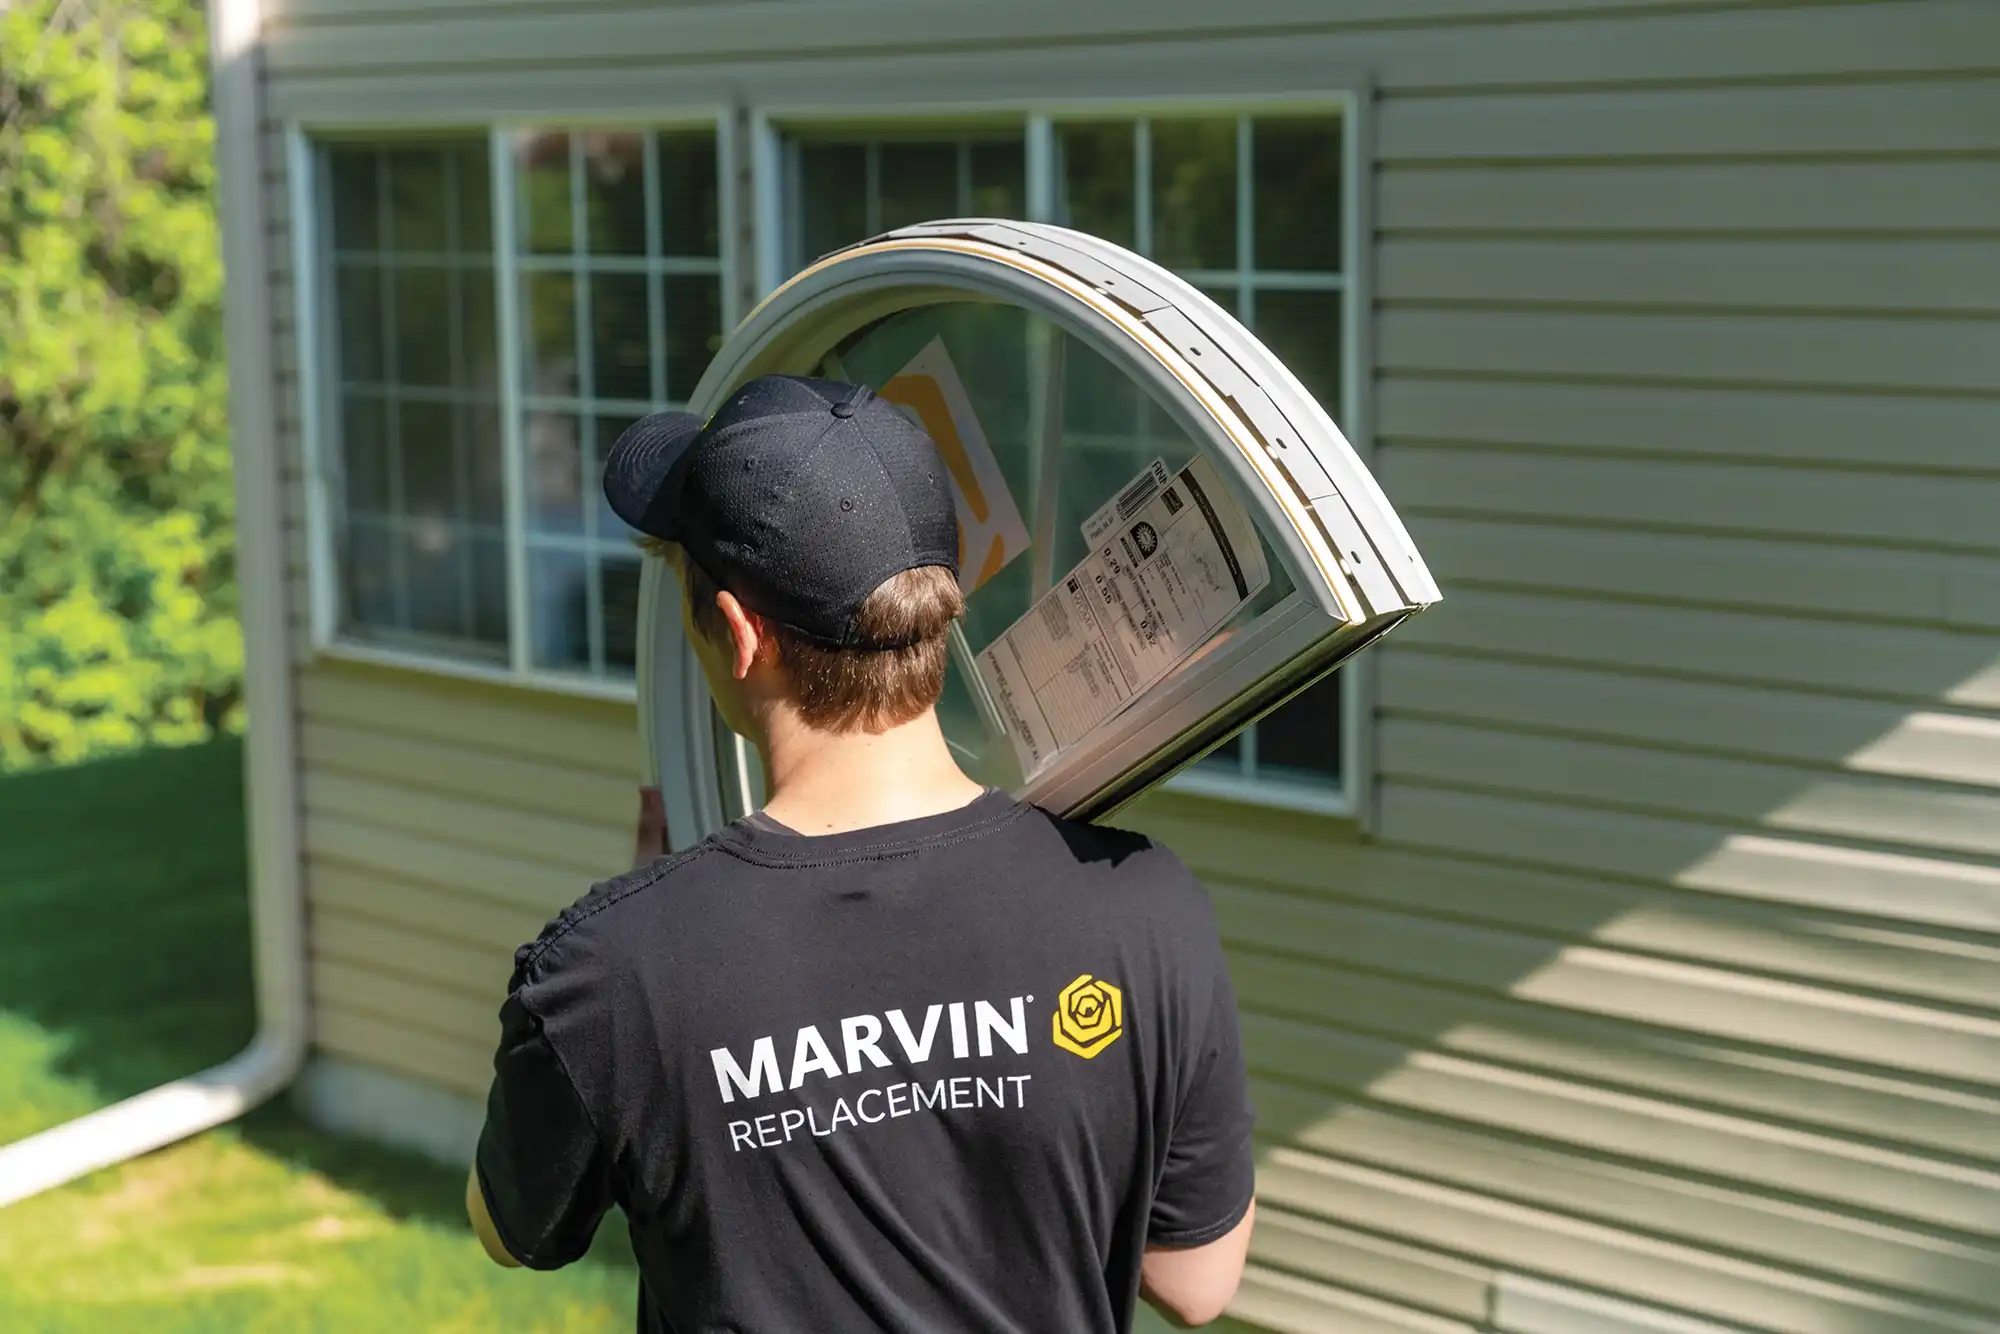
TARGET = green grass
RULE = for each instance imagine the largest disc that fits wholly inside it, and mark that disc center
(124, 963)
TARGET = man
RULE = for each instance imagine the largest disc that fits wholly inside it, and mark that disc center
(895, 1052)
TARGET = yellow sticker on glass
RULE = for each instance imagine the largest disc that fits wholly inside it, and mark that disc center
(991, 531)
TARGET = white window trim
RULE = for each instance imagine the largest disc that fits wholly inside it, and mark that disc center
(750, 157)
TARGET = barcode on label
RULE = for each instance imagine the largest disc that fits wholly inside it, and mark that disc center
(1136, 495)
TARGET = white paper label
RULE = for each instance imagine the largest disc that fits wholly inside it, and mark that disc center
(1175, 558)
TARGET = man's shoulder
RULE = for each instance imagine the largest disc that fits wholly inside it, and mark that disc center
(1124, 860)
(599, 924)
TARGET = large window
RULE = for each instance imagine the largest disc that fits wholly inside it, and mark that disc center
(1248, 208)
(492, 307)
(482, 364)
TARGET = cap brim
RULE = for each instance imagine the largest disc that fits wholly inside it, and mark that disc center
(639, 480)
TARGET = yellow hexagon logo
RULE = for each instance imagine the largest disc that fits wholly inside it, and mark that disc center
(1090, 1014)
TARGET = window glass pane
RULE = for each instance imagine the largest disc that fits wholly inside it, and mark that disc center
(999, 180)
(420, 318)
(620, 576)
(489, 591)
(1302, 739)
(1295, 192)
(833, 197)
(1097, 179)
(549, 309)
(850, 191)
(485, 463)
(477, 366)
(438, 579)
(690, 222)
(1303, 329)
(429, 457)
(357, 197)
(555, 474)
(919, 183)
(1194, 193)
(367, 583)
(621, 363)
(474, 190)
(422, 551)
(614, 192)
(1098, 185)
(419, 214)
(694, 331)
(357, 293)
(364, 448)
(558, 587)
(542, 170)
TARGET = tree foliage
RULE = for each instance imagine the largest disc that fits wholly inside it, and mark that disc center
(117, 596)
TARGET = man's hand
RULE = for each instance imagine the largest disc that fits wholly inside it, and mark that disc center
(482, 1223)
(651, 838)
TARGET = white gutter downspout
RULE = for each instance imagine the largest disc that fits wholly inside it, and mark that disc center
(273, 1058)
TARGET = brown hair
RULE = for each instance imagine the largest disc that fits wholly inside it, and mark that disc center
(854, 689)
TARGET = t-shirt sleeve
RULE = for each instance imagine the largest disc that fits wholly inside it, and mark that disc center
(542, 1167)
(1210, 1172)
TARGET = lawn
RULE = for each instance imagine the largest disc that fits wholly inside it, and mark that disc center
(125, 963)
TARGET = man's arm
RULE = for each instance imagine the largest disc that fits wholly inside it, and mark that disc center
(482, 1223)
(1204, 1205)
(541, 1179)
(1191, 1285)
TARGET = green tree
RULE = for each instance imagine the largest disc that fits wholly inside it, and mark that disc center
(117, 595)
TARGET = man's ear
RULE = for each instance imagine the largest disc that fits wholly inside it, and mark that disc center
(746, 633)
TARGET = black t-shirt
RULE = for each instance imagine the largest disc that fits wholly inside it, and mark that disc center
(951, 1074)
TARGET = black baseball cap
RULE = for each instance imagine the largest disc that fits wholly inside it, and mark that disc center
(799, 496)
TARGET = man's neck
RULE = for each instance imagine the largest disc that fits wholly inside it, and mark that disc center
(828, 782)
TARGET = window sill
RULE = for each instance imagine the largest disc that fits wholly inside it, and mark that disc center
(1267, 794)
(557, 683)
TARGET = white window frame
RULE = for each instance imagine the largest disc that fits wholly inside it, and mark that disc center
(312, 320)
(1217, 77)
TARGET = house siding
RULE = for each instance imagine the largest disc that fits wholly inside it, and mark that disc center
(1666, 996)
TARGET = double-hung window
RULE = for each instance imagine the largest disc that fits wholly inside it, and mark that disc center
(494, 306)
(1247, 206)
(502, 305)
